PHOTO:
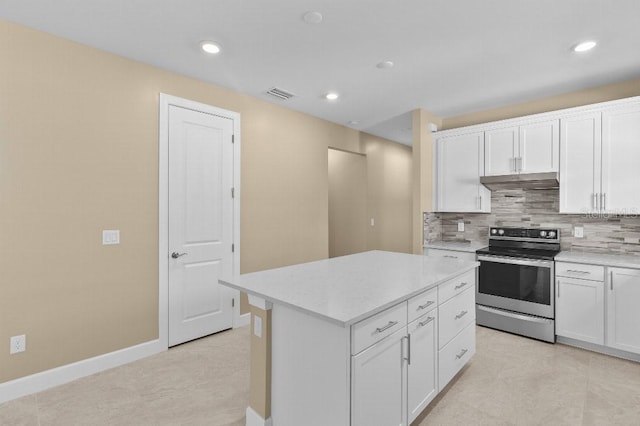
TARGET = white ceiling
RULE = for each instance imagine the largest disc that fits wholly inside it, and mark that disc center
(451, 56)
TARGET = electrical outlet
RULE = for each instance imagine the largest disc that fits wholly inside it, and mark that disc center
(461, 226)
(578, 231)
(17, 344)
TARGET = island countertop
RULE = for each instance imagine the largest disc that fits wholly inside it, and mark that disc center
(347, 289)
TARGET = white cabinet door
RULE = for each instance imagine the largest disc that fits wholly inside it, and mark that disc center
(580, 309)
(620, 155)
(423, 363)
(623, 315)
(500, 151)
(539, 147)
(460, 163)
(378, 386)
(580, 145)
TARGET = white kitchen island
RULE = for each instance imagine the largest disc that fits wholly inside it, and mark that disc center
(366, 339)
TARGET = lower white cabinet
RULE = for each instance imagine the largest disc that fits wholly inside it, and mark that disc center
(378, 383)
(580, 309)
(456, 354)
(599, 307)
(623, 315)
(422, 381)
(396, 373)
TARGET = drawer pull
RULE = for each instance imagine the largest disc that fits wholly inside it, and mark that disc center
(450, 257)
(386, 327)
(425, 306)
(575, 271)
(461, 354)
(425, 322)
(460, 285)
(461, 314)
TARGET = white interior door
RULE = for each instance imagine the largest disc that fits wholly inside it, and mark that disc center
(200, 223)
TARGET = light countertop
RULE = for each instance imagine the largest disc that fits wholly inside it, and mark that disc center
(469, 247)
(347, 289)
(617, 260)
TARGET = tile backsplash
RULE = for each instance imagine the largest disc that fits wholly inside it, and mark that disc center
(533, 208)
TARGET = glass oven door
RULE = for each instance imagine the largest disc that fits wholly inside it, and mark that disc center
(520, 285)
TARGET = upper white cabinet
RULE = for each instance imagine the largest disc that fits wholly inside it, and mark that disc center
(599, 171)
(459, 165)
(620, 155)
(501, 151)
(528, 148)
(580, 146)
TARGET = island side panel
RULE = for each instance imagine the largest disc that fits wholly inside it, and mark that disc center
(310, 380)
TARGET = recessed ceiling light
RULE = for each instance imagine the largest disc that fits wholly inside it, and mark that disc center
(210, 47)
(312, 17)
(332, 96)
(385, 64)
(584, 46)
(353, 122)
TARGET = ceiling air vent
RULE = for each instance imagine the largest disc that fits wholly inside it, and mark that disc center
(280, 93)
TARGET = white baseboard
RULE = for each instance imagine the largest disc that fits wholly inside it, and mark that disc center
(244, 319)
(254, 419)
(57, 376)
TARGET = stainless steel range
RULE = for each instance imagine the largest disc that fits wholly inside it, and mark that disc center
(515, 291)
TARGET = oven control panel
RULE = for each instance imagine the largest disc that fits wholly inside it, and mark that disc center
(524, 233)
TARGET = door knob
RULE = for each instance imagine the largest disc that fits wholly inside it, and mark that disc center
(176, 255)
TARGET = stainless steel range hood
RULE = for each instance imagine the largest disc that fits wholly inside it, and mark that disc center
(522, 180)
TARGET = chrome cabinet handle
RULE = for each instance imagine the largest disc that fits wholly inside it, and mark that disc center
(461, 314)
(460, 285)
(386, 327)
(611, 281)
(461, 354)
(425, 322)
(409, 349)
(519, 164)
(425, 306)
(595, 201)
(558, 285)
(576, 271)
(176, 255)
(604, 201)
(450, 257)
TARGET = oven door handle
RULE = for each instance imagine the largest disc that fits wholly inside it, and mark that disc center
(514, 261)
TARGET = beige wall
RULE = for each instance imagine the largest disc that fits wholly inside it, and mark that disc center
(389, 196)
(594, 95)
(79, 153)
(347, 202)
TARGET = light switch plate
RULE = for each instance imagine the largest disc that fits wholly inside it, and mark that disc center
(460, 226)
(111, 237)
(578, 231)
(257, 326)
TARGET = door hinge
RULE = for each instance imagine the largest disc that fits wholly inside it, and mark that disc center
(233, 192)
(233, 248)
(233, 303)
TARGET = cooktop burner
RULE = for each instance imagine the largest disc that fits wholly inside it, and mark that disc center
(528, 243)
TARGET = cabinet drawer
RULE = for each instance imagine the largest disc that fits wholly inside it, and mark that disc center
(455, 355)
(450, 254)
(456, 285)
(455, 315)
(422, 303)
(579, 270)
(371, 330)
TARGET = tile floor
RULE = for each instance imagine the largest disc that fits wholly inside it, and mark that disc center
(510, 381)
